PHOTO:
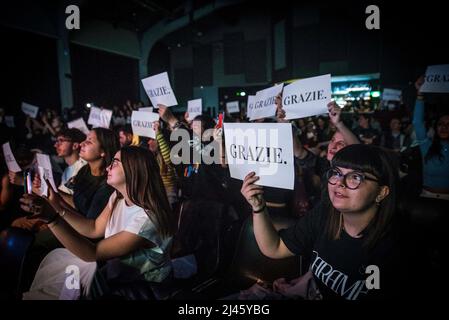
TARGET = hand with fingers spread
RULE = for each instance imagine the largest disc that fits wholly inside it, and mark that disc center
(252, 192)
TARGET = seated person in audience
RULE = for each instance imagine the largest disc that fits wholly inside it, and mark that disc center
(137, 226)
(434, 151)
(90, 193)
(125, 135)
(353, 229)
(365, 132)
(394, 139)
(67, 145)
(198, 180)
(161, 151)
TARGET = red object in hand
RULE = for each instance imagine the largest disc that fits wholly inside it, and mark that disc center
(220, 121)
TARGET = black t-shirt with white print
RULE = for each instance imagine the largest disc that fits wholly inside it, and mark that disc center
(339, 266)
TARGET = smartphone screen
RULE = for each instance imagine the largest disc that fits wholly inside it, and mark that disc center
(29, 183)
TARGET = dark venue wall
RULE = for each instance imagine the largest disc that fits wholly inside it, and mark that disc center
(29, 70)
(103, 78)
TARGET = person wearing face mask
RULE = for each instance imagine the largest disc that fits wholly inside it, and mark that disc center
(137, 225)
(347, 235)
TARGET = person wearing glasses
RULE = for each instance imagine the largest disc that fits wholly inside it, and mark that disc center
(90, 194)
(346, 233)
(137, 225)
(67, 145)
(434, 151)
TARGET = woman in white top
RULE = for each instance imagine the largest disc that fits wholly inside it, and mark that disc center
(137, 226)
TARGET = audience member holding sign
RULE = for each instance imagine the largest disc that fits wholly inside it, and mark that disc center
(435, 152)
(90, 191)
(67, 145)
(137, 225)
(343, 137)
(349, 239)
(436, 79)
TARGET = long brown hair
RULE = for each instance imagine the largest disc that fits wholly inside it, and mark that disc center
(109, 144)
(145, 188)
(378, 162)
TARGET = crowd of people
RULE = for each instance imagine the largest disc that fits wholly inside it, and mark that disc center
(114, 213)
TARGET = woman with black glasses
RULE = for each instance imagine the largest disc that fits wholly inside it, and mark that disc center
(349, 237)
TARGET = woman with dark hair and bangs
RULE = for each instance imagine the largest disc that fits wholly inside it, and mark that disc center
(137, 225)
(350, 237)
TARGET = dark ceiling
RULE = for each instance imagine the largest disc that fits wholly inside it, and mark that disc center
(137, 15)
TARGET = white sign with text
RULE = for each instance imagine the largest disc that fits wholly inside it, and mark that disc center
(233, 107)
(250, 106)
(436, 79)
(11, 162)
(159, 90)
(78, 124)
(142, 123)
(194, 108)
(45, 172)
(99, 117)
(30, 110)
(265, 148)
(391, 95)
(146, 109)
(307, 97)
(265, 102)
